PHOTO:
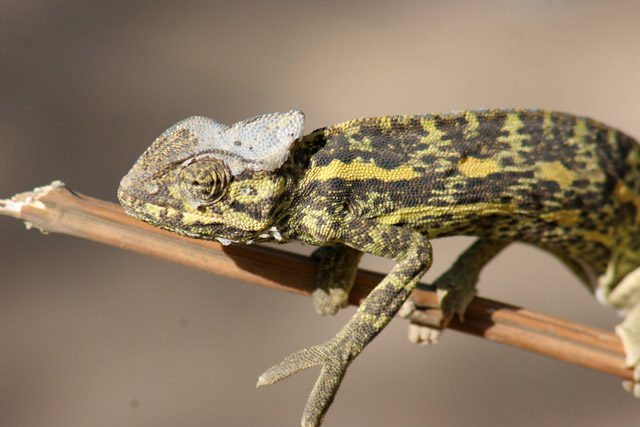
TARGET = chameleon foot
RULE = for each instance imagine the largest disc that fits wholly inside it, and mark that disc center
(329, 301)
(337, 267)
(632, 387)
(334, 356)
(419, 334)
(454, 301)
(457, 286)
(423, 335)
(455, 290)
(454, 297)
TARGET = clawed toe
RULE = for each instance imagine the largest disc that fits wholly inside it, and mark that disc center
(297, 362)
(407, 308)
(329, 301)
(632, 387)
(454, 303)
(334, 358)
(423, 335)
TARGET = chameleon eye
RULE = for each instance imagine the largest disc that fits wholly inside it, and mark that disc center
(203, 180)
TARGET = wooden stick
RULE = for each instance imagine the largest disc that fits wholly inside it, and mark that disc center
(55, 208)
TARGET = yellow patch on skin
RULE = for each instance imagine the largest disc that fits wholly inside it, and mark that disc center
(580, 130)
(555, 171)
(565, 218)
(153, 210)
(547, 125)
(417, 213)
(473, 124)
(190, 219)
(627, 195)
(512, 125)
(367, 318)
(362, 145)
(595, 236)
(611, 136)
(486, 208)
(385, 122)
(349, 128)
(242, 221)
(376, 321)
(355, 171)
(429, 125)
(477, 168)
(381, 322)
(434, 139)
(187, 218)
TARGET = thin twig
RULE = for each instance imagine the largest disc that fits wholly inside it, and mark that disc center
(55, 208)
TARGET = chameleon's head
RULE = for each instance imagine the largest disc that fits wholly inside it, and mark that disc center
(201, 178)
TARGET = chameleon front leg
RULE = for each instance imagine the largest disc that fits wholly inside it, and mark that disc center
(456, 287)
(337, 267)
(412, 253)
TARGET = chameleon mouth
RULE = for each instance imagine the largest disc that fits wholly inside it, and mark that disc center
(132, 193)
(167, 218)
(134, 205)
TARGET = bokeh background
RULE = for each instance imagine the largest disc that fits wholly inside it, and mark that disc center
(95, 336)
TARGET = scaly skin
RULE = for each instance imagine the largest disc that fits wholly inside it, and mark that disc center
(389, 185)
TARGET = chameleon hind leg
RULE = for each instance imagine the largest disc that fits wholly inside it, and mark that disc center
(456, 287)
(619, 286)
(629, 330)
(412, 253)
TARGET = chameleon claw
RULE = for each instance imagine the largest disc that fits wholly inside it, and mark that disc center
(453, 302)
(632, 387)
(407, 308)
(295, 363)
(423, 335)
(419, 332)
(329, 301)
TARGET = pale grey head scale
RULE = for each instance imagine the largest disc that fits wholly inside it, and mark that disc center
(199, 125)
(259, 143)
(265, 140)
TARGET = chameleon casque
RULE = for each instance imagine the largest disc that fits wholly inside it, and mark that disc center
(387, 186)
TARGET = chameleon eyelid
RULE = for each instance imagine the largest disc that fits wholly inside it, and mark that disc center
(217, 170)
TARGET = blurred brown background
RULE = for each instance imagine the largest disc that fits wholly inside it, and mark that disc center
(95, 336)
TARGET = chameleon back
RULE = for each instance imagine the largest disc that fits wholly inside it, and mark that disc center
(567, 184)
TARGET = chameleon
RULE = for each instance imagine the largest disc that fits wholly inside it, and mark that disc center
(386, 186)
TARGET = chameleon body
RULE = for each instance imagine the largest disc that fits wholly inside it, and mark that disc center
(387, 186)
